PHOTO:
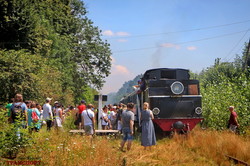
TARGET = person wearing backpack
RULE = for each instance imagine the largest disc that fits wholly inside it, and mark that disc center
(18, 113)
(34, 115)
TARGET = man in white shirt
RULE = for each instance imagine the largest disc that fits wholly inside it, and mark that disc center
(88, 121)
(47, 113)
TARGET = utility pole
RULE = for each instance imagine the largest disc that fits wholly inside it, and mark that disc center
(99, 111)
(247, 60)
(100, 98)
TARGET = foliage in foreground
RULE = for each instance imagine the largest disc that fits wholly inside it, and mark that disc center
(12, 137)
(59, 147)
(201, 147)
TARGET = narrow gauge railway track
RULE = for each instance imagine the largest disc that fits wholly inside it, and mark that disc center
(237, 161)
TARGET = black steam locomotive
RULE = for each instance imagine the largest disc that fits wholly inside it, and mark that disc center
(174, 99)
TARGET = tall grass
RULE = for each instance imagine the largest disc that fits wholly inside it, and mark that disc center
(200, 147)
(62, 148)
(217, 144)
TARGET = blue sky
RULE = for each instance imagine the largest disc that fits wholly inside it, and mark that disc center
(188, 34)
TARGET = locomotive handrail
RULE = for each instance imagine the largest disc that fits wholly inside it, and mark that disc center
(176, 118)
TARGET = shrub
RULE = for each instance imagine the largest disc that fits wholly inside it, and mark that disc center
(69, 123)
(12, 137)
(218, 97)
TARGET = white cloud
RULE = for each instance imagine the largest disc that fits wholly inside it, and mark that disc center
(119, 70)
(108, 33)
(191, 48)
(170, 45)
(122, 40)
(119, 74)
(111, 33)
(122, 34)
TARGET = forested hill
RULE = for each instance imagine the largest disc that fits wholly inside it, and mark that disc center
(126, 88)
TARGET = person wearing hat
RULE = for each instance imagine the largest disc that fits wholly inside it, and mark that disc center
(54, 111)
(47, 113)
(80, 108)
(54, 107)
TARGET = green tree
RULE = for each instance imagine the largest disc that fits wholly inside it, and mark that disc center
(60, 32)
(29, 74)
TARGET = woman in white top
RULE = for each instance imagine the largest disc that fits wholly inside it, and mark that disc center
(59, 116)
(104, 117)
(113, 117)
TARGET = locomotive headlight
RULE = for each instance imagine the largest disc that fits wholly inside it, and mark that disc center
(177, 87)
(156, 111)
(198, 110)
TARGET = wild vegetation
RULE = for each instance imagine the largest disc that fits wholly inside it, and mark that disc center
(222, 85)
(57, 147)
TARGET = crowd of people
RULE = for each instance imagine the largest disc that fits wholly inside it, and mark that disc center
(31, 115)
